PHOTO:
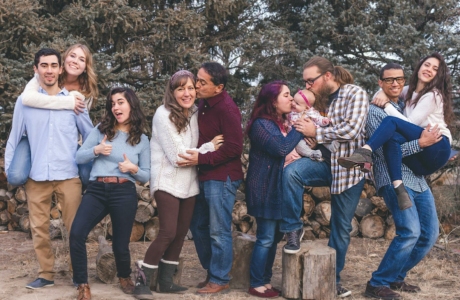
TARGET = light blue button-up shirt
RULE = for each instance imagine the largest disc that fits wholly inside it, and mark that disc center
(53, 137)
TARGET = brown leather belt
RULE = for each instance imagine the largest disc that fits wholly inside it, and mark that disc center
(112, 179)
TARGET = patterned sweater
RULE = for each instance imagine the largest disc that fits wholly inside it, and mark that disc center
(264, 180)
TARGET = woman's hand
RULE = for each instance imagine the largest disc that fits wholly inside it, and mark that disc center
(103, 148)
(218, 140)
(79, 104)
(127, 166)
(380, 99)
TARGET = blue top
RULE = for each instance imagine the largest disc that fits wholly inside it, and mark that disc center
(107, 165)
(53, 137)
(380, 169)
(264, 180)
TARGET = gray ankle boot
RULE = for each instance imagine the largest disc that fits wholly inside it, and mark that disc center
(143, 278)
(166, 272)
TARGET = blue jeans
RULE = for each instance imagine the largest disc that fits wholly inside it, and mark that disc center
(305, 172)
(20, 166)
(120, 201)
(416, 232)
(393, 132)
(19, 169)
(212, 227)
(263, 255)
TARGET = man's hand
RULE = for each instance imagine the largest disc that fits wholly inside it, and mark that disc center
(311, 142)
(127, 166)
(103, 148)
(430, 136)
(191, 159)
(306, 127)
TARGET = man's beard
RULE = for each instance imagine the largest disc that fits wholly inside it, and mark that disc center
(324, 91)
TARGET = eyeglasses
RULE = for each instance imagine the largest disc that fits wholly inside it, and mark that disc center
(390, 80)
(312, 81)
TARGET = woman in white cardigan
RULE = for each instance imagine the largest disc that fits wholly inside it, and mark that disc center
(174, 130)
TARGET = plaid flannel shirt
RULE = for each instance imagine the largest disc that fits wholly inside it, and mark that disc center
(348, 114)
(381, 176)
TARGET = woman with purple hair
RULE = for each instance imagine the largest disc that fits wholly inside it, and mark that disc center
(174, 131)
(272, 148)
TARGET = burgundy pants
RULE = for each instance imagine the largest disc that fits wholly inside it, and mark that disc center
(175, 216)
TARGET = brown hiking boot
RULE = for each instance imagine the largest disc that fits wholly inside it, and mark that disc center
(126, 285)
(381, 292)
(405, 287)
(84, 292)
(362, 158)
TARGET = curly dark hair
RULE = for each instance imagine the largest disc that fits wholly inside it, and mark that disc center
(176, 115)
(440, 84)
(137, 122)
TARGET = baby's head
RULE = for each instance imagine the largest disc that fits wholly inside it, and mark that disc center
(303, 99)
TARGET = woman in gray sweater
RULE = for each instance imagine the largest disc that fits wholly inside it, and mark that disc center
(121, 154)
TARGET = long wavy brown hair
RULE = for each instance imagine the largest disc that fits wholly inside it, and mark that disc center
(440, 84)
(88, 79)
(137, 122)
(176, 115)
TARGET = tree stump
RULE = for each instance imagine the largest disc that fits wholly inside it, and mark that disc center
(322, 193)
(106, 269)
(20, 195)
(239, 210)
(55, 213)
(5, 217)
(310, 273)
(94, 234)
(144, 212)
(323, 213)
(24, 223)
(308, 204)
(319, 273)
(372, 226)
(55, 229)
(354, 227)
(143, 193)
(243, 244)
(152, 228)
(390, 230)
(137, 232)
(246, 223)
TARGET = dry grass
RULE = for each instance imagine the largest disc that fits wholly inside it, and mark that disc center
(437, 275)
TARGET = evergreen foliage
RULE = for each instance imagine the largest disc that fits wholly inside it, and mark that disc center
(140, 43)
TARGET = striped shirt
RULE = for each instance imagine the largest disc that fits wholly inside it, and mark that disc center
(348, 114)
(381, 176)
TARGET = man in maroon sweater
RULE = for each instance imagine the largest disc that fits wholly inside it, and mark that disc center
(220, 174)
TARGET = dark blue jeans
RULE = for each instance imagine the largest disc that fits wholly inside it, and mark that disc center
(212, 227)
(120, 201)
(393, 132)
(306, 172)
(20, 166)
(416, 232)
(263, 255)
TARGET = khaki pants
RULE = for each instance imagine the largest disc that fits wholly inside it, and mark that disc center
(68, 194)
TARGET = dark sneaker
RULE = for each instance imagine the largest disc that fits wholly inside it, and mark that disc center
(381, 292)
(39, 283)
(362, 157)
(342, 292)
(293, 241)
(404, 201)
(405, 287)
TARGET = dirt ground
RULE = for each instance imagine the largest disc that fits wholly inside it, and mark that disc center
(437, 275)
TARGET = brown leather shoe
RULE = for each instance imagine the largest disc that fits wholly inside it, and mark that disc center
(381, 292)
(203, 283)
(126, 285)
(213, 288)
(84, 292)
(405, 287)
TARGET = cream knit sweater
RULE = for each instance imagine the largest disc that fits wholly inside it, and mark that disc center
(165, 145)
